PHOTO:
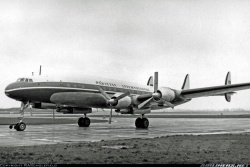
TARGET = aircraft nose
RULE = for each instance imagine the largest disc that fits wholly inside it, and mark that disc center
(8, 88)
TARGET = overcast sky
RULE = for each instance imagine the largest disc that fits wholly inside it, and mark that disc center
(129, 40)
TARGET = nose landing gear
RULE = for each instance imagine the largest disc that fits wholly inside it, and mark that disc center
(18, 126)
(21, 126)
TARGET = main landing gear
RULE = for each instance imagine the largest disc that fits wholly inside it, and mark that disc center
(142, 122)
(21, 126)
(84, 122)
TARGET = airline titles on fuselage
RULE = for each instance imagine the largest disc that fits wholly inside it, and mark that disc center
(123, 86)
(105, 83)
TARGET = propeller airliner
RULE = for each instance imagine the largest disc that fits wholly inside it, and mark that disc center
(126, 98)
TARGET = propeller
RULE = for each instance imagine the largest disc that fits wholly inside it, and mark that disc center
(112, 101)
(110, 115)
(156, 95)
(54, 115)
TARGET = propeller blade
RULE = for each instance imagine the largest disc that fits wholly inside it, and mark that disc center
(31, 111)
(156, 82)
(54, 115)
(123, 95)
(115, 101)
(110, 116)
(144, 103)
(103, 93)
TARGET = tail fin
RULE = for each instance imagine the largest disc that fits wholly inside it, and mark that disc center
(150, 81)
(228, 82)
(186, 84)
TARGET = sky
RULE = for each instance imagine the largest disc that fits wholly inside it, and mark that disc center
(129, 40)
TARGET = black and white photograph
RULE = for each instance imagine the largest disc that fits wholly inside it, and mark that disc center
(125, 82)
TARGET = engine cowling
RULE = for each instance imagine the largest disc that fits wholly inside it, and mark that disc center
(166, 94)
(122, 103)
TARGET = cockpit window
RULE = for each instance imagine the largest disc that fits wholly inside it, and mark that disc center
(24, 80)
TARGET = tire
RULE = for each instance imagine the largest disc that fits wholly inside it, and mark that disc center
(145, 123)
(80, 121)
(16, 126)
(138, 123)
(20, 126)
(86, 122)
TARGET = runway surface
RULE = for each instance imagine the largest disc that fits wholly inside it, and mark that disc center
(121, 128)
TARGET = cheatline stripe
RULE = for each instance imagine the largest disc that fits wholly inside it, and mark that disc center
(28, 88)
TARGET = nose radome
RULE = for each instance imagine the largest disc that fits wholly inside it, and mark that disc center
(9, 88)
(6, 91)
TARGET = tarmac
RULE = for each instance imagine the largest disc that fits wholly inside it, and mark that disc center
(38, 133)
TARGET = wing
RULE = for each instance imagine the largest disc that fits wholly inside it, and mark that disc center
(213, 91)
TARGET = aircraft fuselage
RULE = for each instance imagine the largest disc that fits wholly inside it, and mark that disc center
(87, 94)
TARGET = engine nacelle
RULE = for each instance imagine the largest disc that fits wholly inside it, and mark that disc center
(122, 103)
(166, 93)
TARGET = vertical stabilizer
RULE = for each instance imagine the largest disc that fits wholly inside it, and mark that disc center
(150, 81)
(186, 84)
(228, 79)
(40, 70)
(228, 82)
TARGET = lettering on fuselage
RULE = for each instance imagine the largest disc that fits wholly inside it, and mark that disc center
(134, 87)
(123, 86)
(105, 83)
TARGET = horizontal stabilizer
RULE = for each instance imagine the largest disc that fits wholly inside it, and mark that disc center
(223, 94)
(227, 90)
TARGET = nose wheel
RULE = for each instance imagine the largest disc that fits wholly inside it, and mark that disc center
(18, 126)
(141, 123)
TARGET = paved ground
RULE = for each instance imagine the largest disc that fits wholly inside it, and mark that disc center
(121, 128)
